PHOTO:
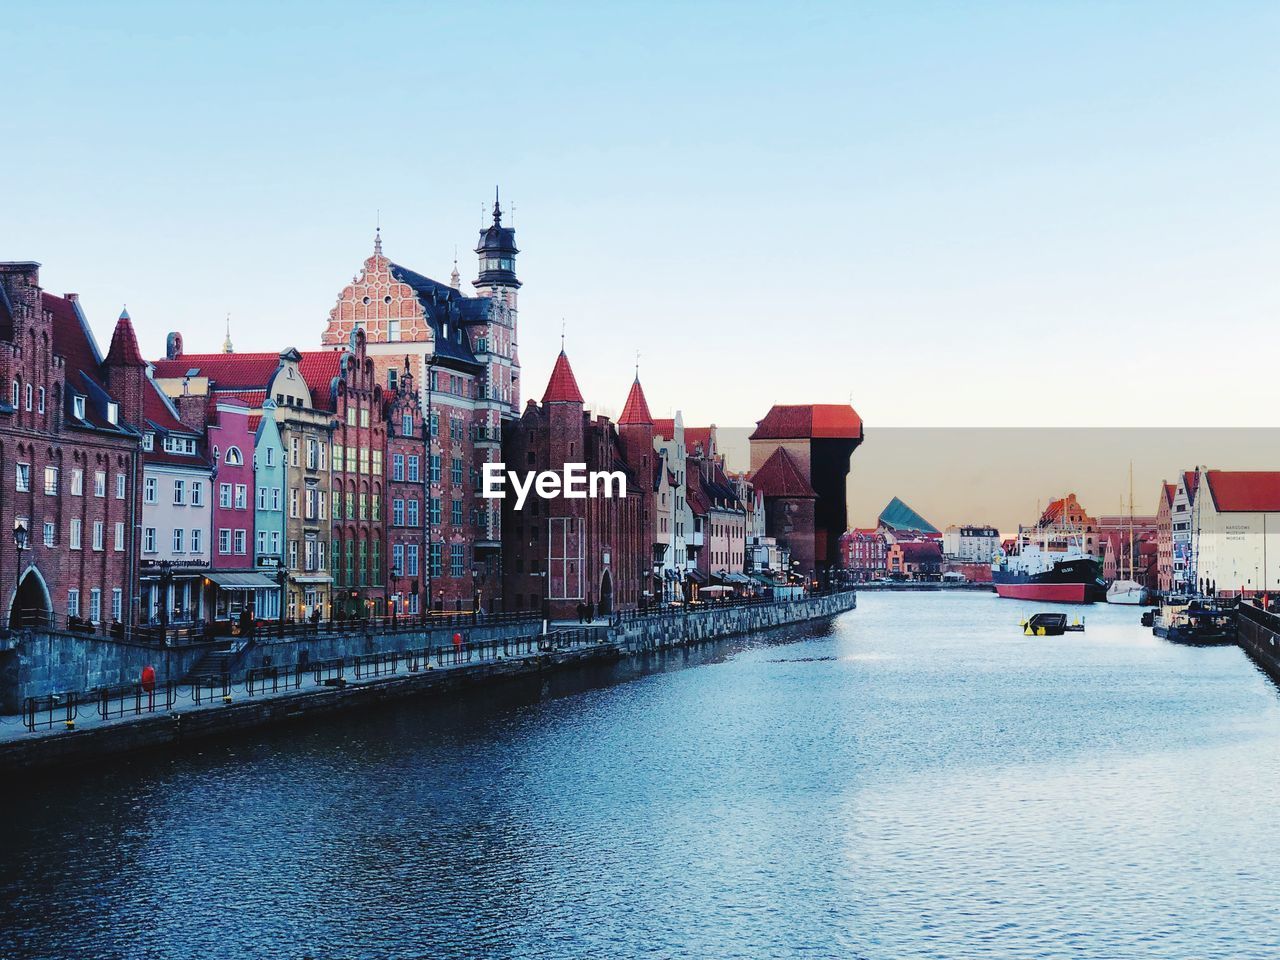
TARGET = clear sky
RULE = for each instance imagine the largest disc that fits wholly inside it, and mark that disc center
(997, 214)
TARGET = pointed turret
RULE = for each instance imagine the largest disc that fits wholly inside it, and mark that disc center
(124, 350)
(636, 409)
(497, 250)
(563, 386)
(226, 344)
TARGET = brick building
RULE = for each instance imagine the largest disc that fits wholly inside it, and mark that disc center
(789, 509)
(68, 417)
(863, 553)
(408, 582)
(819, 440)
(560, 551)
(915, 560)
(462, 353)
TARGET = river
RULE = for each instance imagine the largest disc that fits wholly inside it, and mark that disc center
(916, 779)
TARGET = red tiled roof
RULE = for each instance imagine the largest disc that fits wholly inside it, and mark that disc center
(230, 370)
(156, 408)
(71, 340)
(562, 387)
(124, 350)
(920, 551)
(697, 498)
(1191, 480)
(812, 420)
(318, 368)
(698, 436)
(781, 476)
(636, 409)
(666, 429)
(1169, 489)
(1244, 491)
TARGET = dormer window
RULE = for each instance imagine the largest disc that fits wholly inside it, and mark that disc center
(113, 413)
(148, 441)
(77, 404)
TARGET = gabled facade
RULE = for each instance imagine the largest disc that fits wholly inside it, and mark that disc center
(408, 579)
(1164, 538)
(68, 416)
(269, 477)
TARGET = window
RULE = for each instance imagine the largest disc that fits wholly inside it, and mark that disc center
(77, 527)
(364, 459)
(100, 483)
(364, 416)
(242, 496)
(310, 512)
(95, 604)
(434, 503)
(197, 540)
(148, 488)
(397, 466)
(411, 560)
(293, 501)
(51, 481)
(435, 417)
(455, 428)
(179, 492)
(73, 603)
(397, 512)
(117, 603)
(40, 398)
(224, 495)
(275, 543)
(122, 486)
(295, 446)
(455, 513)
(119, 544)
(436, 554)
(22, 477)
(435, 468)
(364, 506)
(186, 446)
(393, 334)
(455, 471)
(413, 469)
(148, 441)
(262, 498)
(149, 540)
(241, 542)
(224, 541)
(406, 425)
(455, 560)
(97, 534)
(377, 462)
(50, 533)
(293, 554)
(271, 456)
(411, 513)
(233, 457)
(397, 559)
(312, 456)
(177, 539)
(77, 406)
(197, 493)
(275, 498)
(113, 412)
(338, 459)
(27, 393)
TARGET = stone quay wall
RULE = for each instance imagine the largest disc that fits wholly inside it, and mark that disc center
(659, 631)
(1258, 633)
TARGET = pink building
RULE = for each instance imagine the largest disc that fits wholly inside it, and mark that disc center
(230, 444)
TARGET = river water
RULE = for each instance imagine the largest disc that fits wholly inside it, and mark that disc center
(917, 779)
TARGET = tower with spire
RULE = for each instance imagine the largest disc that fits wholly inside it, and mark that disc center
(226, 343)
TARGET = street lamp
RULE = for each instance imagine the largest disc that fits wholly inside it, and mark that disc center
(22, 541)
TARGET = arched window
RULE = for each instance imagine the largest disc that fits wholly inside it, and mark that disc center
(234, 457)
(15, 393)
(28, 396)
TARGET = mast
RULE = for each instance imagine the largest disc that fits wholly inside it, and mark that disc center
(1131, 567)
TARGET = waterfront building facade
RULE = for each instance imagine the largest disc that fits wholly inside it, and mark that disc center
(897, 521)
(864, 553)
(789, 510)
(269, 502)
(970, 543)
(1182, 531)
(561, 552)
(408, 580)
(681, 557)
(914, 560)
(68, 416)
(1164, 538)
(1236, 532)
(176, 515)
(820, 439)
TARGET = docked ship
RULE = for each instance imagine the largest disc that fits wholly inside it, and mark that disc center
(1068, 575)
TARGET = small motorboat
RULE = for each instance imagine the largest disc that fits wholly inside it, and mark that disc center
(1045, 625)
(1128, 592)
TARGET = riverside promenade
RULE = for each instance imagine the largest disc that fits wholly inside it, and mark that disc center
(63, 727)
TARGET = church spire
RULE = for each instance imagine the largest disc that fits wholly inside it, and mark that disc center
(455, 278)
(226, 344)
(377, 241)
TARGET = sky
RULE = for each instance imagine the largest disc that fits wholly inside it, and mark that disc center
(1049, 214)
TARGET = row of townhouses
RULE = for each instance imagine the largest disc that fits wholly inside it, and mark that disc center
(346, 481)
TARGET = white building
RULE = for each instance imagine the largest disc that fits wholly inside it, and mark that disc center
(972, 544)
(1181, 521)
(1235, 531)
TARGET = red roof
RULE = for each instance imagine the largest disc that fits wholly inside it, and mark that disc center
(230, 370)
(318, 368)
(1244, 491)
(636, 409)
(920, 551)
(124, 350)
(666, 429)
(695, 437)
(1169, 489)
(562, 387)
(781, 476)
(1191, 480)
(813, 421)
(71, 339)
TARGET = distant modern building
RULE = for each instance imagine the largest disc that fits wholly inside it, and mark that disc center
(971, 544)
(897, 521)
(1236, 532)
(818, 440)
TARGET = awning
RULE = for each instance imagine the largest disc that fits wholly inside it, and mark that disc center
(243, 581)
(696, 575)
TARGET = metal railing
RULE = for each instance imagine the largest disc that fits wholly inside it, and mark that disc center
(51, 709)
(135, 698)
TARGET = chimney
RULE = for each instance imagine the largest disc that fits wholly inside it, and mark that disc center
(193, 410)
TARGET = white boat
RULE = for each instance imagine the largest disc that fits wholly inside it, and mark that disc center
(1127, 592)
